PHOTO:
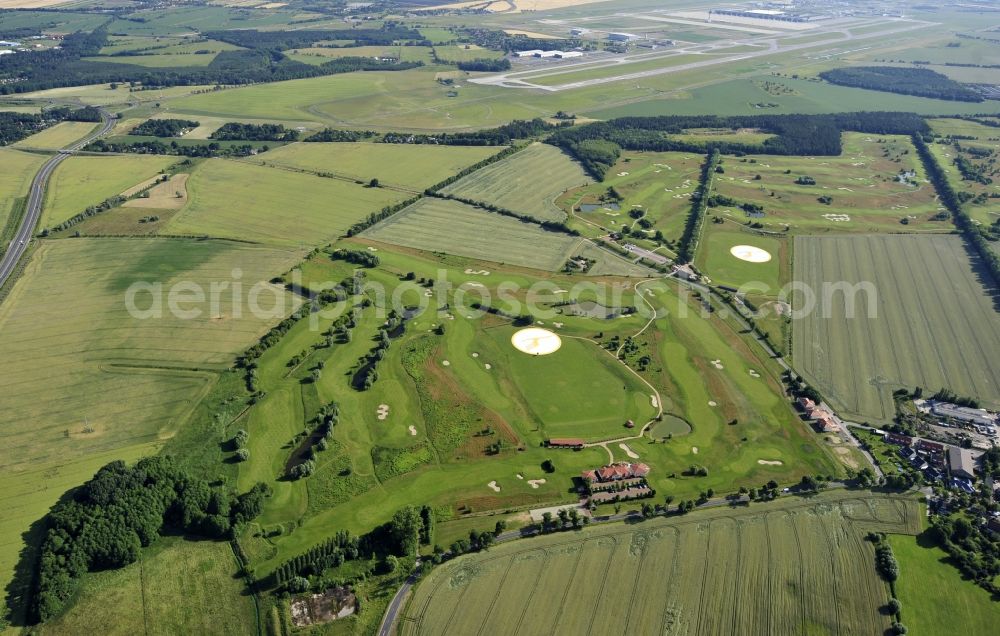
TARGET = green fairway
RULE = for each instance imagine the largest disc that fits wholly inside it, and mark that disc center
(926, 295)
(177, 587)
(796, 566)
(80, 182)
(236, 199)
(404, 165)
(873, 186)
(439, 225)
(716, 261)
(527, 182)
(578, 391)
(935, 598)
(465, 53)
(63, 365)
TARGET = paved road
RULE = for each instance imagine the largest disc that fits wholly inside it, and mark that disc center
(392, 612)
(36, 195)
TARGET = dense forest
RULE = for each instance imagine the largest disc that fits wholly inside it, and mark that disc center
(485, 65)
(254, 132)
(164, 127)
(921, 82)
(54, 68)
(284, 40)
(105, 523)
(793, 134)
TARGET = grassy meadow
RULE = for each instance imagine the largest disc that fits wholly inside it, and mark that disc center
(527, 182)
(928, 296)
(161, 595)
(273, 206)
(63, 364)
(80, 182)
(934, 596)
(715, 260)
(15, 180)
(412, 167)
(797, 566)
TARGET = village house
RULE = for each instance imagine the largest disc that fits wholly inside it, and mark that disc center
(615, 472)
(961, 463)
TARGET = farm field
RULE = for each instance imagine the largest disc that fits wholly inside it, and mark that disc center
(321, 55)
(875, 184)
(527, 182)
(928, 296)
(790, 567)
(80, 182)
(64, 364)
(15, 180)
(273, 206)
(465, 53)
(159, 595)
(658, 183)
(935, 597)
(440, 225)
(402, 165)
(58, 136)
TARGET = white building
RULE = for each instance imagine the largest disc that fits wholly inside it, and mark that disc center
(622, 37)
(548, 54)
(531, 53)
(566, 54)
(980, 417)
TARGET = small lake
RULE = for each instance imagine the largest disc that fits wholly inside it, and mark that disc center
(591, 207)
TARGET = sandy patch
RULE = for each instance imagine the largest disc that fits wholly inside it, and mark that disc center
(750, 253)
(372, 249)
(477, 272)
(694, 449)
(713, 403)
(535, 483)
(654, 401)
(169, 195)
(844, 455)
(535, 341)
(493, 486)
(754, 374)
(382, 411)
(488, 366)
(718, 364)
(475, 355)
(473, 285)
(769, 462)
(838, 218)
(413, 430)
(445, 363)
(520, 476)
(628, 451)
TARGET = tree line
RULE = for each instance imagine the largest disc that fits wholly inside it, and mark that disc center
(16, 126)
(921, 82)
(235, 131)
(105, 523)
(157, 147)
(972, 232)
(688, 244)
(793, 134)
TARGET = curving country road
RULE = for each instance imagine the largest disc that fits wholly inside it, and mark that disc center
(33, 209)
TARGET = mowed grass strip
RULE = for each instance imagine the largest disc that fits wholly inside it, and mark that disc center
(440, 225)
(527, 182)
(705, 576)
(404, 165)
(928, 297)
(160, 595)
(86, 383)
(233, 199)
(80, 182)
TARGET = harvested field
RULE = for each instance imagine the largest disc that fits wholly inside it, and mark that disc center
(57, 137)
(168, 195)
(439, 225)
(15, 179)
(273, 206)
(791, 567)
(403, 165)
(928, 296)
(527, 182)
(80, 182)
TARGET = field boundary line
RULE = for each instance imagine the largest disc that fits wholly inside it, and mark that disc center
(534, 586)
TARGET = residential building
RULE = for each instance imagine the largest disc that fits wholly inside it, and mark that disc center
(961, 463)
(898, 439)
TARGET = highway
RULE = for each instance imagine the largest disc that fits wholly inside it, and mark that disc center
(36, 196)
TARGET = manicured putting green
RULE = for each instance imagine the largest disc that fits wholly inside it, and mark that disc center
(536, 341)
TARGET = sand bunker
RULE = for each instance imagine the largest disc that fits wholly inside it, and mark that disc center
(445, 363)
(520, 476)
(493, 486)
(750, 253)
(488, 366)
(628, 451)
(654, 401)
(718, 364)
(535, 341)
(535, 483)
(694, 449)
(413, 430)
(382, 411)
(754, 374)
(713, 403)
(769, 462)
(477, 272)
(475, 355)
